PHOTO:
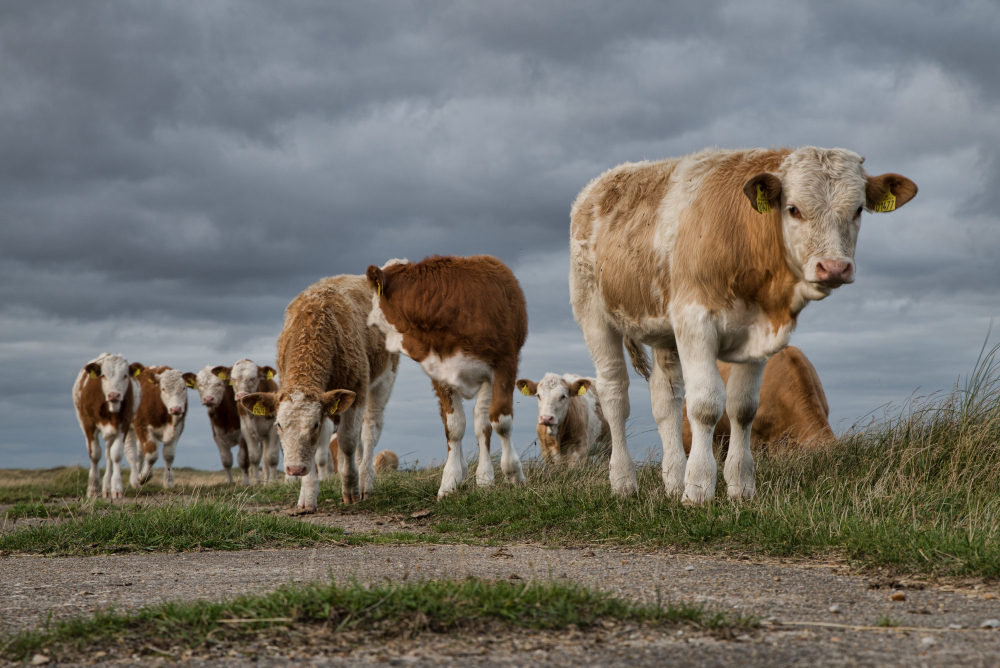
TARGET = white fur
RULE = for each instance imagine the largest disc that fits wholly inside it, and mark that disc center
(464, 373)
(260, 433)
(114, 378)
(209, 385)
(553, 400)
(173, 395)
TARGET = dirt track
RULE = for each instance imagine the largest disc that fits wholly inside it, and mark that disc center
(789, 597)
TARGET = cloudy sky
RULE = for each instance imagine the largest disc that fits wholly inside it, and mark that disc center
(173, 174)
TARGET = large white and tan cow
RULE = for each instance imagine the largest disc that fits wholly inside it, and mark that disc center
(571, 424)
(464, 320)
(105, 396)
(710, 256)
(331, 363)
(158, 420)
(259, 430)
(218, 397)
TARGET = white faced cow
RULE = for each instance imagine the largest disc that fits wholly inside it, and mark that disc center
(710, 256)
(159, 419)
(105, 395)
(218, 397)
(571, 425)
(259, 432)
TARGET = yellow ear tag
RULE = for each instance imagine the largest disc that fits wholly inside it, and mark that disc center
(93, 374)
(137, 372)
(525, 391)
(378, 288)
(887, 204)
(583, 390)
(151, 381)
(763, 205)
(192, 384)
(270, 374)
(230, 381)
(258, 409)
(332, 410)
(222, 375)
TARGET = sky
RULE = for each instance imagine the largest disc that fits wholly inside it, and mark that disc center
(173, 174)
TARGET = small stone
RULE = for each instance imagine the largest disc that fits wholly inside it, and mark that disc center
(836, 639)
(990, 624)
(988, 596)
(835, 609)
(689, 568)
(421, 513)
(898, 596)
(928, 640)
(39, 660)
(777, 579)
(955, 627)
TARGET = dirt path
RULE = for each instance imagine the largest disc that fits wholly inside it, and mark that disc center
(792, 598)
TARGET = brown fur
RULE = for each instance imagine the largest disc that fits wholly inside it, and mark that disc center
(792, 405)
(151, 411)
(569, 444)
(93, 410)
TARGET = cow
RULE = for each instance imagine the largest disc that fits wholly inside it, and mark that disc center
(571, 424)
(385, 461)
(792, 410)
(705, 257)
(105, 396)
(159, 419)
(464, 320)
(218, 397)
(332, 364)
(259, 432)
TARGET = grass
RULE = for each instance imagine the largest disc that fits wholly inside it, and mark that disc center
(390, 609)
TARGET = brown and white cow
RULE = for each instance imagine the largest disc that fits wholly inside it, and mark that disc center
(218, 397)
(385, 461)
(159, 419)
(571, 424)
(792, 408)
(331, 363)
(464, 320)
(259, 431)
(710, 256)
(105, 396)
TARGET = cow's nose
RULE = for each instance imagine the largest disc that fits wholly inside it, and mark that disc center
(176, 410)
(114, 396)
(546, 419)
(295, 470)
(240, 395)
(208, 401)
(835, 272)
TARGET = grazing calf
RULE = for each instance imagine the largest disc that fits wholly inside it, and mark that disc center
(218, 397)
(464, 320)
(259, 432)
(159, 418)
(571, 425)
(332, 363)
(710, 256)
(792, 406)
(105, 395)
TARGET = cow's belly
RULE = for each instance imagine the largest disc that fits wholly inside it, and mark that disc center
(746, 336)
(461, 372)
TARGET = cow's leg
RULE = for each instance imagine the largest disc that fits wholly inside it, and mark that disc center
(481, 423)
(243, 461)
(742, 396)
(169, 452)
(115, 488)
(697, 343)
(309, 492)
(605, 346)
(371, 428)
(271, 454)
(254, 452)
(322, 456)
(453, 416)
(348, 435)
(666, 392)
(94, 452)
(150, 453)
(226, 455)
(132, 457)
(502, 420)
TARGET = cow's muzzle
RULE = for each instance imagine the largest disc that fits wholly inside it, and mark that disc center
(548, 420)
(114, 396)
(208, 401)
(177, 410)
(296, 471)
(833, 273)
(240, 395)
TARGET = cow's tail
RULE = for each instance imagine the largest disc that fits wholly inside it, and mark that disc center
(640, 361)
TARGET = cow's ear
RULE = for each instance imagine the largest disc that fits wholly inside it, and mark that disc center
(93, 369)
(134, 369)
(222, 372)
(336, 401)
(888, 192)
(376, 278)
(153, 378)
(764, 192)
(527, 387)
(191, 380)
(264, 404)
(268, 372)
(580, 387)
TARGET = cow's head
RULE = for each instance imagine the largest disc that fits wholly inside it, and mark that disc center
(115, 374)
(299, 418)
(553, 394)
(820, 194)
(245, 377)
(173, 390)
(211, 386)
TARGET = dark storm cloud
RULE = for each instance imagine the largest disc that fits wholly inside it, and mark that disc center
(172, 174)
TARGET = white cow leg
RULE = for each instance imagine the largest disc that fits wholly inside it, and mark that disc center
(481, 423)
(117, 489)
(148, 460)
(271, 454)
(254, 453)
(371, 428)
(131, 456)
(706, 399)
(94, 452)
(510, 463)
(666, 392)
(309, 492)
(612, 389)
(322, 456)
(348, 435)
(226, 456)
(742, 397)
(502, 419)
(169, 452)
(454, 425)
(243, 461)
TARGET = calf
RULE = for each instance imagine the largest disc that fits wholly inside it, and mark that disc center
(571, 424)
(464, 320)
(218, 397)
(792, 407)
(332, 364)
(385, 461)
(159, 418)
(710, 256)
(259, 432)
(105, 395)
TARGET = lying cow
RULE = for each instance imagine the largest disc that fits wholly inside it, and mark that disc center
(259, 432)
(385, 461)
(105, 396)
(464, 320)
(218, 397)
(159, 419)
(710, 256)
(331, 363)
(792, 408)
(571, 425)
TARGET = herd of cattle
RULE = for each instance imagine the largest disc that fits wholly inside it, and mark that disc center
(707, 259)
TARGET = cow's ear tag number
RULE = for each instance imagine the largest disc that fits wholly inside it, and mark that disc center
(93, 374)
(887, 204)
(763, 205)
(270, 374)
(332, 410)
(583, 390)
(258, 409)
(525, 391)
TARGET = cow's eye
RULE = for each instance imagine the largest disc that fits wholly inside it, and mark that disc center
(316, 426)
(858, 212)
(795, 213)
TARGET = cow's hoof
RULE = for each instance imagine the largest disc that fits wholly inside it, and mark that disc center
(303, 510)
(624, 487)
(741, 492)
(695, 496)
(516, 478)
(352, 497)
